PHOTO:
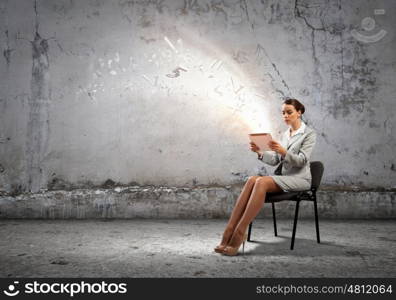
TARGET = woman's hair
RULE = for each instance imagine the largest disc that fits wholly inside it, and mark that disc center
(297, 104)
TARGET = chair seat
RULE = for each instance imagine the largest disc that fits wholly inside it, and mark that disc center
(275, 197)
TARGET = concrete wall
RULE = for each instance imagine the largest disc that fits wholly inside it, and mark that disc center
(197, 203)
(165, 92)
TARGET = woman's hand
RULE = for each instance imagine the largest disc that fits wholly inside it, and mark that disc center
(275, 146)
(254, 147)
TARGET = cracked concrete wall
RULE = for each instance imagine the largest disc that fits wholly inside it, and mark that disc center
(165, 92)
(199, 202)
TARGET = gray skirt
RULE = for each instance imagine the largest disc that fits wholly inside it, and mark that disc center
(292, 183)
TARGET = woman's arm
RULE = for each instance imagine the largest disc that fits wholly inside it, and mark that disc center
(269, 157)
(300, 159)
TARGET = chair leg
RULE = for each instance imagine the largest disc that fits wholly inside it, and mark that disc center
(294, 225)
(316, 221)
(249, 231)
(274, 218)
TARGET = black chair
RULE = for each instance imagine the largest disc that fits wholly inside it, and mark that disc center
(308, 195)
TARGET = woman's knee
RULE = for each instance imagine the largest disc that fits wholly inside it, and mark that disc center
(263, 181)
(252, 179)
(267, 183)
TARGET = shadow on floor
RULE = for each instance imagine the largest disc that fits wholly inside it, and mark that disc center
(280, 245)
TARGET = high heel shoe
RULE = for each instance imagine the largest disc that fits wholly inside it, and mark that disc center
(220, 248)
(232, 251)
(226, 238)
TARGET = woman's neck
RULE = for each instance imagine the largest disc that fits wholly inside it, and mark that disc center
(294, 126)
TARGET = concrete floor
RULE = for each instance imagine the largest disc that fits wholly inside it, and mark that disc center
(184, 248)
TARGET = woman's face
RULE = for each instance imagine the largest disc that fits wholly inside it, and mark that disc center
(290, 115)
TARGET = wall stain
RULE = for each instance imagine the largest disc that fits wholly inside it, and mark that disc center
(276, 14)
(128, 10)
(195, 6)
(147, 41)
(359, 84)
(38, 120)
(63, 8)
(7, 51)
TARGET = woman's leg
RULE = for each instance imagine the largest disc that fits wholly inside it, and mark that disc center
(242, 201)
(263, 185)
(238, 209)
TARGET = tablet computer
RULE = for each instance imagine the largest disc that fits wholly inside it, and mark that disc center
(261, 140)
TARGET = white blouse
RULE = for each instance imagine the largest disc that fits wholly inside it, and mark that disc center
(299, 130)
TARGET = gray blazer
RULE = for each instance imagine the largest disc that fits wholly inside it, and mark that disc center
(297, 159)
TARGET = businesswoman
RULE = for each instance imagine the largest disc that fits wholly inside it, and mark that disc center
(293, 173)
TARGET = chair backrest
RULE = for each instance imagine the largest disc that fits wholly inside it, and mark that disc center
(316, 173)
